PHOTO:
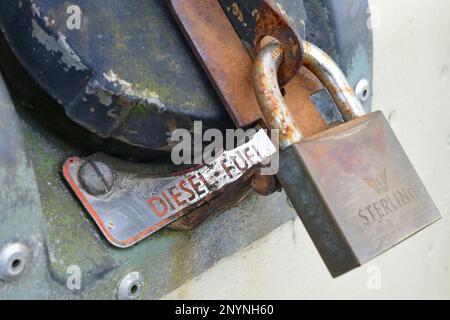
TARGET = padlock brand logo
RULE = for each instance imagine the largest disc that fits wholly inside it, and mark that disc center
(379, 184)
(389, 203)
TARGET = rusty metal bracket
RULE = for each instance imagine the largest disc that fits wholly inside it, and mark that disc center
(127, 208)
(273, 21)
(229, 65)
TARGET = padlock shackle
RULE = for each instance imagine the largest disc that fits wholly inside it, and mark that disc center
(268, 93)
(334, 80)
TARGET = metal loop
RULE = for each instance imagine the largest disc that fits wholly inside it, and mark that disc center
(271, 101)
(334, 80)
(268, 93)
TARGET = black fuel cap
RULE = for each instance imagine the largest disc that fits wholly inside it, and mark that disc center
(119, 69)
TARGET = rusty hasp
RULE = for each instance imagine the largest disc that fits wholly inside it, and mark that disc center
(272, 21)
(221, 54)
(255, 19)
(229, 65)
(128, 208)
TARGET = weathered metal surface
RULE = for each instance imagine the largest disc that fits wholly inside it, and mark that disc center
(351, 23)
(169, 258)
(334, 80)
(353, 186)
(339, 28)
(270, 21)
(221, 54)
(265, 184)
(116, 77)
(230, 196)
(136, 206)
(243, 14)
(22, 253)
(273, 21)
(230, 67)
(364, 195)
(96, 178)
(256, 19)
(271, 101)
(269, 95)
(166, 260)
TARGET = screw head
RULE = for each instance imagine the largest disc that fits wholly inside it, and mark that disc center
(362, 90)
(96, 178)
(13, 260)
(130, 287)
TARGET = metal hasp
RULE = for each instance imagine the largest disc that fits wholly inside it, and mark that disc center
(353, 186)
(272, 21)
(128, 208)
(229, 65)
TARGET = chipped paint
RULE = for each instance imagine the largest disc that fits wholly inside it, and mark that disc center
(237, 12)
(104, 96)
(127, 88)
(34, 9)
(255, 12)
(58, 45)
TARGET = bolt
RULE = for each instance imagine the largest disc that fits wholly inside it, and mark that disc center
(96, 178)
(130, 287)
(13, 260)
(362, 90)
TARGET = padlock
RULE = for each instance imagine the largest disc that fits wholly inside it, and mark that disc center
(353, 186)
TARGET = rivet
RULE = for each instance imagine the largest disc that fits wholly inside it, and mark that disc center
(362, 90)
(130, 286)
(13, 260)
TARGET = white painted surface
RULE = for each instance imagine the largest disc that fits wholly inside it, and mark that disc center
(412, 87)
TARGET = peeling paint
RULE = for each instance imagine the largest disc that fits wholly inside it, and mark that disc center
(34, 9)
(49, 23)
(147, 95)
(58, 45)
(237, 12)
(104, 96)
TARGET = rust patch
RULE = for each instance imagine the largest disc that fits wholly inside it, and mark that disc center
(273, 22)
(229, 196)
(265, 185)
(229, 67)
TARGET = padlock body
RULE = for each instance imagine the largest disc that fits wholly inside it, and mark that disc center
(356, 191)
